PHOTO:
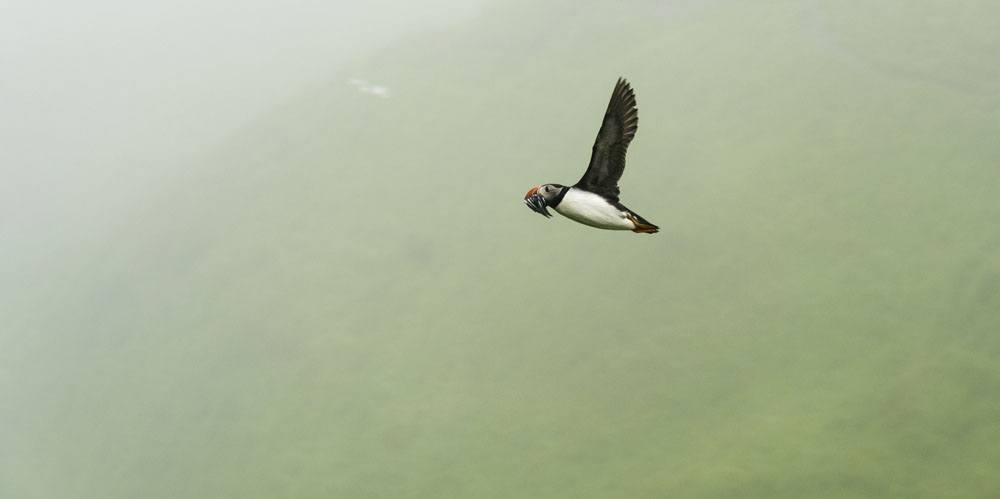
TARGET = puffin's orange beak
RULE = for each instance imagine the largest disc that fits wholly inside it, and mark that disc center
(536, 202)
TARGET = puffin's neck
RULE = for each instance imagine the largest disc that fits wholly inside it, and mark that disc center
(559, 197)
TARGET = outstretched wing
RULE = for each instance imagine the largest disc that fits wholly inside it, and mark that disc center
(607, 162)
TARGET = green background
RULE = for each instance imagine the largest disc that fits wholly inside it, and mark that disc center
(347, 298)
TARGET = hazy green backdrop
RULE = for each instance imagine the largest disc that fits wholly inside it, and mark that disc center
(343, 296)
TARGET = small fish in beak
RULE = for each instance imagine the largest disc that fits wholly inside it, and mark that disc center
(536, 202)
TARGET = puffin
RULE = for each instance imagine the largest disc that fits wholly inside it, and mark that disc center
(594, 200)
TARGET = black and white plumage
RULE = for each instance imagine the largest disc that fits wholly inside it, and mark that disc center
(593, 200)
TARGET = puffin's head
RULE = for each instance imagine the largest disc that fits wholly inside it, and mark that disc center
(539, 197)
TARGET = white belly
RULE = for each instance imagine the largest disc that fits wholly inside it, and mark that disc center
(590, 209)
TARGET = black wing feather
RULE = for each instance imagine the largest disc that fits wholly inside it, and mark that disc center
(607, 161)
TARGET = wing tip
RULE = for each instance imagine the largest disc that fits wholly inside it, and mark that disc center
(623, 101)
(624, 93)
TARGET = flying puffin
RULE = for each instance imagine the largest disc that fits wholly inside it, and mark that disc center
(593, 200)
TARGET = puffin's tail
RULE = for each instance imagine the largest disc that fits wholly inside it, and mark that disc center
(642, 226)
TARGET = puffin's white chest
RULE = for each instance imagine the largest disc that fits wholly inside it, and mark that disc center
(593, 210)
